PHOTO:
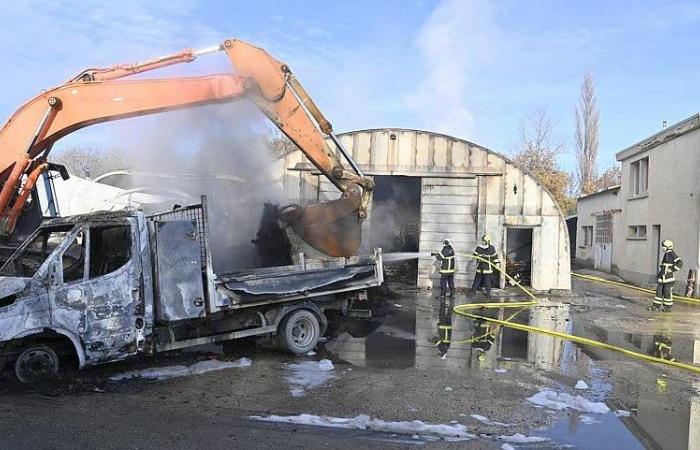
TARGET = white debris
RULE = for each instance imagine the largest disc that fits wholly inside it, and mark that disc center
(448, 388)
(398, 305)
(588, 420)
(486, 421)
(507, 447)
(500, 370)
(308, 375)
(580, 384)
(561, 401)
(163, 373)
(521, 439)
(416, 428)
(622, 413)
(310, 353)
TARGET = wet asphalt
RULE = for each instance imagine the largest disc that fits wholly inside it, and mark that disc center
(392, 368)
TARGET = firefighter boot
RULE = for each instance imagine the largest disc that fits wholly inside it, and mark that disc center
(668, 308)
(654, 308)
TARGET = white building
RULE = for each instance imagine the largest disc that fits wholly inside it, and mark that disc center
(620, 230)
(430, 186)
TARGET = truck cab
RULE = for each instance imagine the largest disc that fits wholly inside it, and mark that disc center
(80, 283)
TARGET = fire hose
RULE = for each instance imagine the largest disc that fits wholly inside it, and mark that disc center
(463, 310)
(689, 300)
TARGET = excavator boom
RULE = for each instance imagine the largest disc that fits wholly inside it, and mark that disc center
(101, 95)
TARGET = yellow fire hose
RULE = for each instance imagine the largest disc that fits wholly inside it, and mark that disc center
(689, 300)
(462, 310)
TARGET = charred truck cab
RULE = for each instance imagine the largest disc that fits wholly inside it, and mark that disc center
(105, 286)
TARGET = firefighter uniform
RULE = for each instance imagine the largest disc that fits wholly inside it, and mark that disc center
(484, 270)
(662, 347)
(446, 256)
(670, 263)
(444, 327)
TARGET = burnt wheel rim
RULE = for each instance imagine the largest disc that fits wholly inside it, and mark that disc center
(303, 332)
(36, 364)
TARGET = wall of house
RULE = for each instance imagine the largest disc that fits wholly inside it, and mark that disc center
(467, 190)
(672, 201)
(587, 208)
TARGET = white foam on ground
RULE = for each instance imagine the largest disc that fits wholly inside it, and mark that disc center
(521, 439)
(486, 421)
(588, 420)
(507, 447)
(580, 384)
(560, 401)
(308, 375)
(500, 370)
(163, 373)
(416, 428)
(622, 413)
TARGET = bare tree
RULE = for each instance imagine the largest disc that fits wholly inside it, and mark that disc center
(611, 177)
(279, 144)
(587, 128)
(536, 151)
(89, 162)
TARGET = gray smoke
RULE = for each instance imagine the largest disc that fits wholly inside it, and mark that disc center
(202, 149)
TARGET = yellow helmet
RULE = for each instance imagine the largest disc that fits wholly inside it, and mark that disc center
(486, 238)
(667, 244)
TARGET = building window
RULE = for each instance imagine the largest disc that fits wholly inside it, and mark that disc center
(587, 236)
(603, 228)
(637, 232)
(639, 176)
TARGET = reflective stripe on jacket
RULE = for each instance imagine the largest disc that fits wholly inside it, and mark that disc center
(670, 263)
(487, 252)
(447, 260)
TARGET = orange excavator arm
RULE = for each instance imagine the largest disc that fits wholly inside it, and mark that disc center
(101, 95)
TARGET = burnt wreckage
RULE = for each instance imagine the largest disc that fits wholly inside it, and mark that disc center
(106, 286)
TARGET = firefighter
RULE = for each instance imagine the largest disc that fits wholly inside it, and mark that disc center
(483, 338)
(444, 327)
(446, 256)
(484, 270)
(670, 263)
(663, 346)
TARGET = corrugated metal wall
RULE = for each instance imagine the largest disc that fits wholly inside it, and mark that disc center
(467, 191)
(448, 209)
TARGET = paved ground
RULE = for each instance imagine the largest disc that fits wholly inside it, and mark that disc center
(392, 370)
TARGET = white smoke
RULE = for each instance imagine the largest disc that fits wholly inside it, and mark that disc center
(209, 144)
(454, 40)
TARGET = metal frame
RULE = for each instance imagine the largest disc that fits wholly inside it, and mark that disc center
(199, 214)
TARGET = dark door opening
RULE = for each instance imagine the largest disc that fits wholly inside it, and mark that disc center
(395, 221)
(519, 254)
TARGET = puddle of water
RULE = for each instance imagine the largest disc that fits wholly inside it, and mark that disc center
(408, 337)
(607, 432)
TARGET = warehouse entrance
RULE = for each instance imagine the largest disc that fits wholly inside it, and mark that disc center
(395, 219)
(519, 254)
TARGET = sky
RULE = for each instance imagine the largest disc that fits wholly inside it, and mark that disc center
(473, 69)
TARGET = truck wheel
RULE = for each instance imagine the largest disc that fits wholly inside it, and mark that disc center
(299, 331)
(36, 363)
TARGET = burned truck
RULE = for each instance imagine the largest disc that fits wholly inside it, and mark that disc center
(106, 286)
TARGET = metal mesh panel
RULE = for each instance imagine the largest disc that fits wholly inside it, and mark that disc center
(193, 212)
(603, 228)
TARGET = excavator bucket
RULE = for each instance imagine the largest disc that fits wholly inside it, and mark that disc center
(331, 227)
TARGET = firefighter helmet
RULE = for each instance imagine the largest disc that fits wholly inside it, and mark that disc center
(446, 241)
(667, 244)
(486, 238)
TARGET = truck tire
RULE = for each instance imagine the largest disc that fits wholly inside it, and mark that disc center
(36, 363)
(299, 332)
